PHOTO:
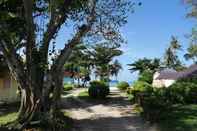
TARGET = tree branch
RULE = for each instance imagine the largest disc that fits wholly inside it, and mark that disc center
(14, 63)
(65, 53)
(56, 21)
(28, 5)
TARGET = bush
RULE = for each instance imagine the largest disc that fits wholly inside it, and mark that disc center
(184, 92)
(123, 85)
(153, 101)
(98, 89)
(68, 87)
(146, 76)
(155, 105)
(142, 86)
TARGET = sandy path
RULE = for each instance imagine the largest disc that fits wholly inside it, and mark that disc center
(113, 114)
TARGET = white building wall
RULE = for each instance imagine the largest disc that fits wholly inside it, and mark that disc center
(162, 83)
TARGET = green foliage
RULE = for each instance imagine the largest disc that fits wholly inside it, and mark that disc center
(68, 87)
(102, 55)
(146, 76)
(123, 85)
(141, 86)
(183, 91)
(98, 89)
(84, 95)
(171, 59)
(180, 118)
(145, 64)
(192, 49)
(5, 119)
(154, 105)
(156, 101)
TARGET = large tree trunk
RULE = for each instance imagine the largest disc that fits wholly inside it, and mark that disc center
(43, 105)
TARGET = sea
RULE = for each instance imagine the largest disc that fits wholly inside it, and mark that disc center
(112, 83)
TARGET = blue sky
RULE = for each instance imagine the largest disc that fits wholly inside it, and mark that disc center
(149, 30)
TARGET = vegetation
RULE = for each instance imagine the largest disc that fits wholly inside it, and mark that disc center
(171, 59)
(145, 64)
(79, 65)
(102, 56)
(98, 89)
(41, 73)
(192, 49)
(156, 102)
(123, 85)
(5, 119)
(146, 76)
(68, 87)
(180, 118)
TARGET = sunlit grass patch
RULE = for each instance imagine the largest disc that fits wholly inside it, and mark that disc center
(83, 94)
(8, 118)
(181, 118)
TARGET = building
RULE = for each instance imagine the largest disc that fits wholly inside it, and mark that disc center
(167, 77)
(8, 86)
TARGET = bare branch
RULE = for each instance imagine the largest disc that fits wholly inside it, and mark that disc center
(82, 31)
(56, 20)
(14, 63)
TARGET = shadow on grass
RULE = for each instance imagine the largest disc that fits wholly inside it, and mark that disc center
(64, 93)
(7, 108)
(181, 118)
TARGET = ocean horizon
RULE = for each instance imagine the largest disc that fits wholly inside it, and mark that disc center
(112, 83)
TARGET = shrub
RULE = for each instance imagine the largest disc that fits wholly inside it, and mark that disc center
(153, 101)
(183, 92)
(139, 89)
(156, 102)
(146, 76)
(155, 105)
(98, 89)
(68, 87)
(123, 85)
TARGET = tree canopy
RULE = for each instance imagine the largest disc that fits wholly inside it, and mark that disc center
(28, 32)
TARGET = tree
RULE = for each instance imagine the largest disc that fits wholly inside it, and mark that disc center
(115, 68)
(79, 64)
(102, 56)
(145, 64)
(32, 26)
(192, 49)
(192, 53)
(171, 59)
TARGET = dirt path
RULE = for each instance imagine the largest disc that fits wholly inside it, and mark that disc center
(113, 114)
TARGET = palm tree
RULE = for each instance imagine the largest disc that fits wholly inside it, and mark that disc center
(144, 64)
(191, 53)
(171, 59)
(192, 49)
(115, 68)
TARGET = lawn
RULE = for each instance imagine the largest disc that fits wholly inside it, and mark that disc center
(4, 119)
(83, 94)
(181, 118)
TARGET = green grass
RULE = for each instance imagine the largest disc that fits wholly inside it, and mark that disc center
(8, 118)
(181, 118)
(83, 94)
(68, 87)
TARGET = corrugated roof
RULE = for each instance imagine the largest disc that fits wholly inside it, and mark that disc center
(173, 75)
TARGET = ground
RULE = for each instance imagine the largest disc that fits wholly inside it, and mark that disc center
(114, 114)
